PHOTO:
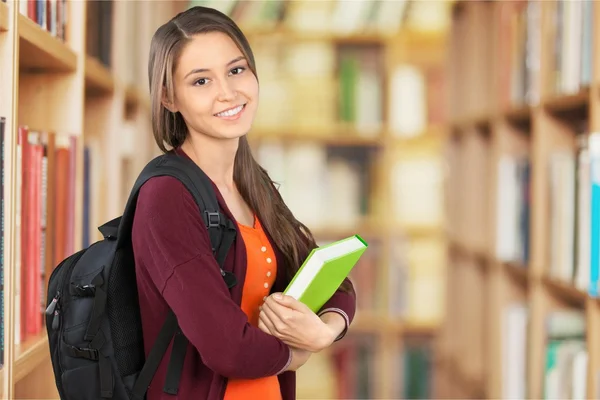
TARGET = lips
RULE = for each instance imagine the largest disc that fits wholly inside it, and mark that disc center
(231, 112)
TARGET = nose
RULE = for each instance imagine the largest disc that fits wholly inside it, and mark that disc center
(227, 91)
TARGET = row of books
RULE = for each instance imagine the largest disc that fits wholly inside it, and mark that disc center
(513, 209)
(340, 17)
(572, 43)
(572, 24)
(356, 368)
(332, 185)
(416, 280)
(51, 15)
(573, 216)
(345, 84)
(507, 71)
(44, 220)
(323, 187)
(566, 354)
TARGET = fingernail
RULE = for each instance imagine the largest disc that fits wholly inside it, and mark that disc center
(277, 296)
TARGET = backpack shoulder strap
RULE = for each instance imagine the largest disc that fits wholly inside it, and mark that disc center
(221, 232)
(199, 185)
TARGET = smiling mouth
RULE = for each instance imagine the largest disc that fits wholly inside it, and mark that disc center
(232, 112)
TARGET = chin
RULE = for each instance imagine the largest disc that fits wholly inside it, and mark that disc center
(237, 126)
(232, 134)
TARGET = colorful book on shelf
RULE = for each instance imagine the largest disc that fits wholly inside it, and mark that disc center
(324, 270)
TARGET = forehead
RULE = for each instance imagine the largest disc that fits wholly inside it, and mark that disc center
(208, 50)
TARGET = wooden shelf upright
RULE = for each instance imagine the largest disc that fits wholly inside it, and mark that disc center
(55, 87)
(93, 102)
(523, 106)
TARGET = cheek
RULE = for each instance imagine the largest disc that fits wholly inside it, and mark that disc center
(250, 87)
(198, 102)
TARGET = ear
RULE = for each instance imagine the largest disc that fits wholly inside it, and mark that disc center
(169, 105)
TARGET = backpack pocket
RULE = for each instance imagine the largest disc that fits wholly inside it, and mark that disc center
(81, 383)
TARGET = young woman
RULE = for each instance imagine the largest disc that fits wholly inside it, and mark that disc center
(245, 342)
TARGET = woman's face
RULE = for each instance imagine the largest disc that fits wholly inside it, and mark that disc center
(215, 90)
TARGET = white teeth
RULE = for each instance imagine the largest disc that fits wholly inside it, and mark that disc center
(230, 113)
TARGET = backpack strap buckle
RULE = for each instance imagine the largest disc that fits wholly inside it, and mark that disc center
(213, 218)
(83, 352)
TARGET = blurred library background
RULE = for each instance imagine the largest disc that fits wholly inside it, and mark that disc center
(460, 138)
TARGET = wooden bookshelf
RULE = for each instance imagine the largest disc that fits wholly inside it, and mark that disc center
(3, 17)
(39, 50)
(64, 88)
(98, 78)
(508, 113)
(56, 87)
(30, 355)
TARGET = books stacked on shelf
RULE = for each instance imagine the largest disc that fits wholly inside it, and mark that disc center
(323, 187)
(45, 200)
(417, 186)
(298, 76)
(340, 18)
(416, 359)
(519, 52)
(573, 255)
(562, 215)
(570, 32)
(354, 362)
(513, 209)
(366, 279)
(572, 36)
(361, 88)
(99, 30)
(593, 163)
(565, 372)
(515, 328)
(51, 15)
(417, 99)
(416, 281)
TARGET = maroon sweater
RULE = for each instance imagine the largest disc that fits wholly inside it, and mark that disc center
(175, 268)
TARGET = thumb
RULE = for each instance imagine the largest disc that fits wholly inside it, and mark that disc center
(289, 301)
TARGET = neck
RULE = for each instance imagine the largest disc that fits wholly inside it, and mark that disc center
(215, 157)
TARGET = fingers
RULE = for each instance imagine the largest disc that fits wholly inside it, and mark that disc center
(262, 326)
(274, 318)
(290, 302)
(280, 310)
(279, 330)
(266, 321)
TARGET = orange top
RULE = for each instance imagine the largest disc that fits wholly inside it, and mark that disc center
(260, 276)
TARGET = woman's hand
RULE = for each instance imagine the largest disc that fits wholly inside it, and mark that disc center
(294, 323)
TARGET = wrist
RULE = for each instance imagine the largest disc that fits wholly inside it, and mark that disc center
(334, 325)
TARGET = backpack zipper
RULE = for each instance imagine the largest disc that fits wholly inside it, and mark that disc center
(54, 306)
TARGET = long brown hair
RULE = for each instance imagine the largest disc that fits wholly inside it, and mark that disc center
(292, 237)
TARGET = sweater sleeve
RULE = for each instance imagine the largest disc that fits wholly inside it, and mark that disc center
(176, 252)
(344, 303)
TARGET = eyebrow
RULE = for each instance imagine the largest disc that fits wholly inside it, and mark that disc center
(197, 70)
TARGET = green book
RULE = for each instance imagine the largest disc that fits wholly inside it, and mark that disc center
(324, 270)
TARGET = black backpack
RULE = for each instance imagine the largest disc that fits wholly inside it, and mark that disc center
(93, 316)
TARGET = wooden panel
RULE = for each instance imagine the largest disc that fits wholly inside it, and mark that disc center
(29, 355)
(3, 17)
(38, 49)
(98, 78)
(9, 75)
(46, 102)
(39, 384)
